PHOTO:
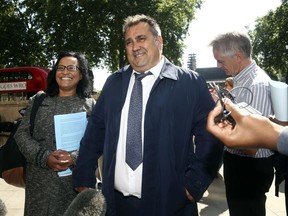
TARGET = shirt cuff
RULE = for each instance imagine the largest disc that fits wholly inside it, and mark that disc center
(282, 142)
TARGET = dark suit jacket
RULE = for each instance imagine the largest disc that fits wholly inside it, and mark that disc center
(175, 117)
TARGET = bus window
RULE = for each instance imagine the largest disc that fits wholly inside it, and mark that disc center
(21, 83)
(14, 76)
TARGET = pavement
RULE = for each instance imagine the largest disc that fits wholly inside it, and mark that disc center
(213, 202)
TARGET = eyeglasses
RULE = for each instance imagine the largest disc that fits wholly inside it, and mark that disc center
(71, 68)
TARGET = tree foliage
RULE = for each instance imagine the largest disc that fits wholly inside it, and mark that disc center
(33, 32)
(269, 39)
(20, 43)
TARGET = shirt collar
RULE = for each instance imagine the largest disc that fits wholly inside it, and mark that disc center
(245, 72)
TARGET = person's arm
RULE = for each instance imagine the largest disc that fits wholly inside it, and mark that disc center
(205, 158)
(31, 148)
(250, 131)
(282, 143)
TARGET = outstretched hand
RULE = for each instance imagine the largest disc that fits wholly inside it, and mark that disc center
(224, 130)
(283, 123)
(250, 131)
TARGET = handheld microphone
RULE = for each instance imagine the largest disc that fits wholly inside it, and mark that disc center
(87, 203)
(3, 209)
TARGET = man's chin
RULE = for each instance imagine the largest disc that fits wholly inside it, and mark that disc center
(139, 68)
(228, 73)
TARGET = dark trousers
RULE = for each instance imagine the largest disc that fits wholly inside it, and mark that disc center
(126, 205)
(286, 195)
(246, 182)
(286, 186)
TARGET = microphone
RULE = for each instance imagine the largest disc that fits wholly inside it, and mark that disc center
(3, 209)
(87, 203)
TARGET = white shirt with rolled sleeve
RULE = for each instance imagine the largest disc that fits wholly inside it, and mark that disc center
(253, 88)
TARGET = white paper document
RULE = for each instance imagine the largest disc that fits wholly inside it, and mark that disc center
(69, 130)
(279, 96)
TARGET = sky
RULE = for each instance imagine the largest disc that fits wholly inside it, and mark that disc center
(220, 16)
(215, 17)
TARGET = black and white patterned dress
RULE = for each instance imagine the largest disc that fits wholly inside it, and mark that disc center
(46, 193)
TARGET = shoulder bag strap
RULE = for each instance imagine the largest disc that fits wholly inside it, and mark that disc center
(36, 104)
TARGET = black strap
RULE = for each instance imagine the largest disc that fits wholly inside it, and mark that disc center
(9, 152)
(36, 104)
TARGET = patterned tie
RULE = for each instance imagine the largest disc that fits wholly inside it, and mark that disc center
(134, 125)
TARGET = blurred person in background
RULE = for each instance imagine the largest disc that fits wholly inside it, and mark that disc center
(229, 83)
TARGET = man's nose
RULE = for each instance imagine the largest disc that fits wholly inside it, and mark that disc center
(135, 46)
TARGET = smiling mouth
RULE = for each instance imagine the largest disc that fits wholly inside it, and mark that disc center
(66, 78)
(138, 54)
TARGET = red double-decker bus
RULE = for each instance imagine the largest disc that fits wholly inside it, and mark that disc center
(22, 82)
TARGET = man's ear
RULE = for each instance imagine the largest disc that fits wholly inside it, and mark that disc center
(239, 56)
(159, 41)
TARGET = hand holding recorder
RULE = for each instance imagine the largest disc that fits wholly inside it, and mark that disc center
(249, 131)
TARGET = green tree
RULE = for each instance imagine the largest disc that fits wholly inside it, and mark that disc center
(90, 26)
(20, 43)
(173, 17)
(69, 25)
(269, 39)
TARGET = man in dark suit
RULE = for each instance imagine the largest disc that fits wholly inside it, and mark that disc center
(179, 158)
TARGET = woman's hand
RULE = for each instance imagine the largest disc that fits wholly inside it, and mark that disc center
(59, 160)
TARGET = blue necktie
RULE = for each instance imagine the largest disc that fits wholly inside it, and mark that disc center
(134, 125)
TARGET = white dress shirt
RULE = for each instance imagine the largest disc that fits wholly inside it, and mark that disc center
(127, 181)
